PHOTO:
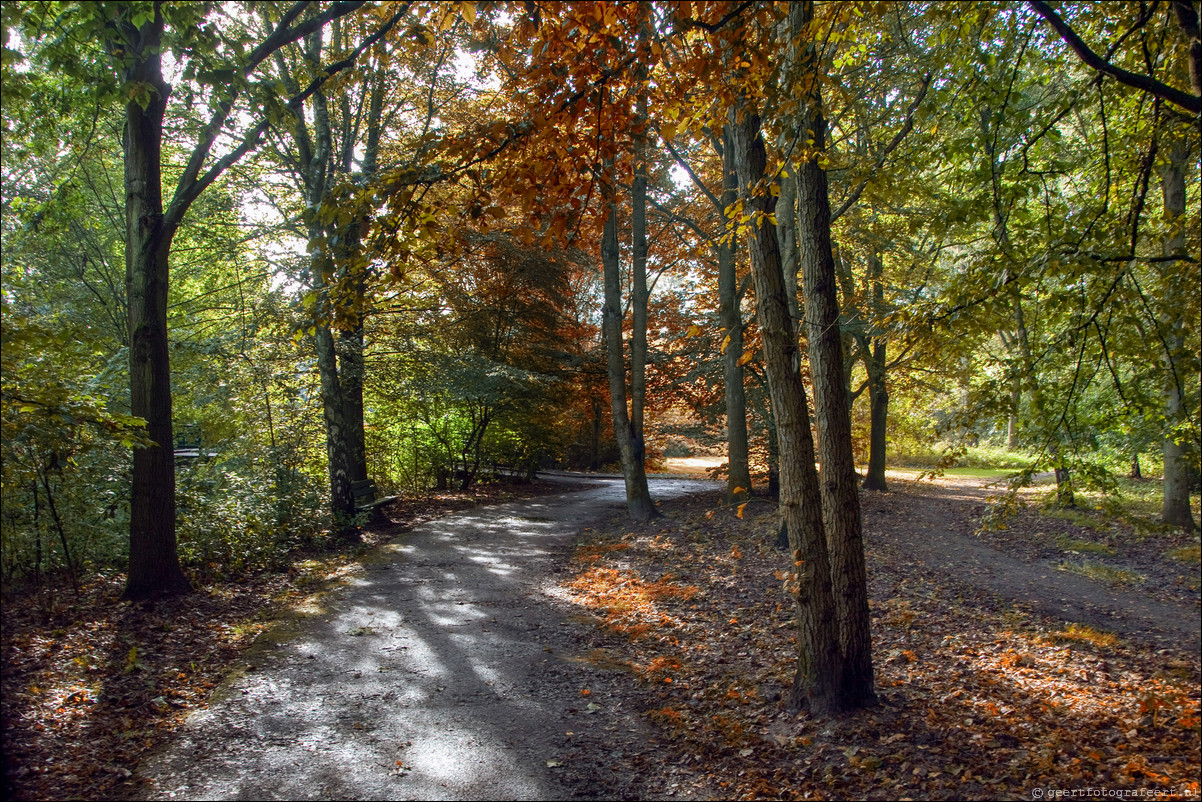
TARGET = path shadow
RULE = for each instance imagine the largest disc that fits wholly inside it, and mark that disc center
(434, 672)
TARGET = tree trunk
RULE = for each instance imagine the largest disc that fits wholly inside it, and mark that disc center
(1016, 399)
(154, 567)
(878, 399)
(840, 499)
(350, 372)
(630, 447)
(1177, 479)
(351, 361)
(317, 156)
(817, 684)
(342, 500)
(738, 475)
(595, 444)
(638, 273)
(786, 235)
(878, 392)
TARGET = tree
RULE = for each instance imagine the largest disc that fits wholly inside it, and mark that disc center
(135, 38)
(840, 503)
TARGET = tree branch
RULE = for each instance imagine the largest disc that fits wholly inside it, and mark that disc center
(190, 186)
(1191, 103)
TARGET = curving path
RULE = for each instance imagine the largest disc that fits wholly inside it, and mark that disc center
(440, 671)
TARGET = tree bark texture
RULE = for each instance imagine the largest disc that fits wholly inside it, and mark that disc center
(840, 499)
(817, 684)
(874, 349)
(154, 567)
(317, 168)
(738, 474)
(1177, 479)
(630, 446)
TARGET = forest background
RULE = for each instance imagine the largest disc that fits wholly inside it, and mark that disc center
(274, 250)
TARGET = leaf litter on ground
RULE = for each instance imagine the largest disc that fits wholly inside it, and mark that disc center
(92, 684)
(979, 698)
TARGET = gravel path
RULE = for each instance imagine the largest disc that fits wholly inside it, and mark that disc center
(441, 670)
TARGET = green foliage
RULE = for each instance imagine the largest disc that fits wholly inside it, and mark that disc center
(65, 452)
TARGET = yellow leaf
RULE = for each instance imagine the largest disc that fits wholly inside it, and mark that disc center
(694, 331)
(739, 512)
(739, 490)
(747, 357)
(725, 342)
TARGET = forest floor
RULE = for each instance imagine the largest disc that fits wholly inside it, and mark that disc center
(550, 648)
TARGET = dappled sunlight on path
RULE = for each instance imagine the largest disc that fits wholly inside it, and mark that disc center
(432, 672)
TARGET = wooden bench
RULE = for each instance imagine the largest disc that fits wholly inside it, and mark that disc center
(364, 491)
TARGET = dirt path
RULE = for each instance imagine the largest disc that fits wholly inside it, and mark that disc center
(443, 669)
(930, 528)
(439, 671)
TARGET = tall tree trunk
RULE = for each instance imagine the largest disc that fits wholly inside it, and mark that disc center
(786, 234)
(840, 499)
(817, 684)
(342, 500)
(638, 273)
(317, 154)
(1177, 479)
(630, 450)
(1016, 399)
(154, 567)
(878, 392)
(351, 342)
(350, 373)
(738, 475)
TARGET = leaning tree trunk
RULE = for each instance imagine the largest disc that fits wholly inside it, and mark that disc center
(840, 499)
(1177, 478)
(154, 567)
(817, 683)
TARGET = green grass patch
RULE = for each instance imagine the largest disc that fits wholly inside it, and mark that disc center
(1186, 554)
(1078, 517)
(1066, 543)
(970, 473)
(1101, 572)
